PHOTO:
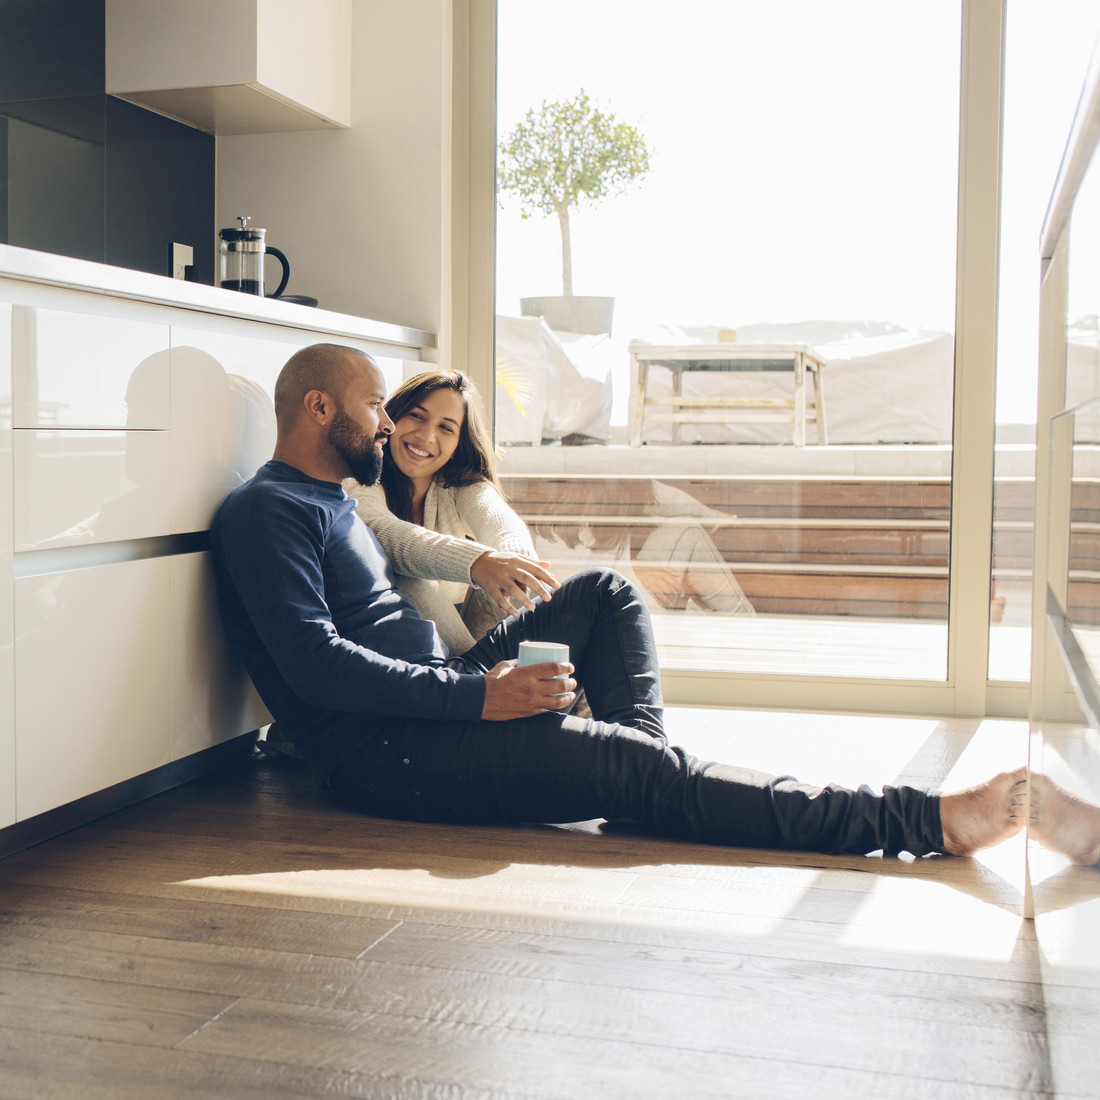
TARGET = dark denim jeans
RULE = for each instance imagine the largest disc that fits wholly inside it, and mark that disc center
(619, 764)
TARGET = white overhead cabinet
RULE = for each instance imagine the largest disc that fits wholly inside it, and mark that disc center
(234, 66)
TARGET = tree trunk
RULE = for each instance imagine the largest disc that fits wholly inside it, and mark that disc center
(566, 255)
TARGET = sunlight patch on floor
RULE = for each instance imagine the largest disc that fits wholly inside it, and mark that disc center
(930, 917)
(904, 905)
(409, 891)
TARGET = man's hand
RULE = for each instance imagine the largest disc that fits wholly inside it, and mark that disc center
(513, 692)
(509, 578)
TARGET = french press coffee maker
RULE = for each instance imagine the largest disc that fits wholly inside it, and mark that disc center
(241, 251)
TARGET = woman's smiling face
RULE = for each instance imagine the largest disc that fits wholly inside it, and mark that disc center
(426, 437)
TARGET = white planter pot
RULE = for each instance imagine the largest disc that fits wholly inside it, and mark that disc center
(573, 313)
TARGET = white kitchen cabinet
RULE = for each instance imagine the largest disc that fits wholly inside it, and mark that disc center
(5, 366)
(233, 66)
(212, 700)
(130, 404)
(87, 370)
(7, 638)
(92, 673)
(7, 625)
(75, 487)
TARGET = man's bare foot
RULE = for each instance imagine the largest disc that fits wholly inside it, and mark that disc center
(981, 816)
(1063, 822)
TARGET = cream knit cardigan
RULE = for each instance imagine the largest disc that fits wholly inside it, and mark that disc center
(432, 563)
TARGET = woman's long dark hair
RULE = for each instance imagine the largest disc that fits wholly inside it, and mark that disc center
(473, 458)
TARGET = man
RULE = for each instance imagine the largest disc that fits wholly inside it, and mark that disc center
(400, 728)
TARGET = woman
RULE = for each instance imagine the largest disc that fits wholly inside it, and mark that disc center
(439, 507)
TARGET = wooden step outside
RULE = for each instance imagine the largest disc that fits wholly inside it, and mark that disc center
(808, 546)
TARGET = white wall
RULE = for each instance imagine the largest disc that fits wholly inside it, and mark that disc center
(359, 211)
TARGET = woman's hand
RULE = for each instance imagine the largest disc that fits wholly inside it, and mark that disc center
(510, 578)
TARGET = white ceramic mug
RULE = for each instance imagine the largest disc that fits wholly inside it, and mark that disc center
(535, 653)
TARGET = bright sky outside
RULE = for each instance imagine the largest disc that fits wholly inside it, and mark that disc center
(804, 158)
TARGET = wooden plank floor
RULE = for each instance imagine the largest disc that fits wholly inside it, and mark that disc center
(241, 936)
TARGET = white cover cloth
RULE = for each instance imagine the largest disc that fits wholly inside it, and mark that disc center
(550, 385)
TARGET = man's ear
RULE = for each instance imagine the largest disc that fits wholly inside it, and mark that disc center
(319, 406)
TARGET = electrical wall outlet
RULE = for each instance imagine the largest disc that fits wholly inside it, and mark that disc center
(183, 256)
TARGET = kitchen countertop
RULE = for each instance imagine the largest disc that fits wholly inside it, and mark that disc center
(27, 265)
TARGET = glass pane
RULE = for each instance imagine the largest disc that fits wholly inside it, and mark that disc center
(1083, 595)
(1064, 757)
(1081, 568)
(1065, 745)
(1046, 55)
(761, 433)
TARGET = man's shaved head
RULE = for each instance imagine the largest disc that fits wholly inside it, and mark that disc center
(327, 367)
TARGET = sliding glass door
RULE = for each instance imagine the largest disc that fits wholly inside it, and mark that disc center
(787, 561)
(757, 427)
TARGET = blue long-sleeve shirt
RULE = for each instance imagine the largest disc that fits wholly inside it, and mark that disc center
(309, 604)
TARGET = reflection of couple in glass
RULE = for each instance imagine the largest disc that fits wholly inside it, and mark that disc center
(660, 534)
(226, 422)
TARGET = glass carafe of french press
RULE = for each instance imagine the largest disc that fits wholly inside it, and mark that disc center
(241, 251)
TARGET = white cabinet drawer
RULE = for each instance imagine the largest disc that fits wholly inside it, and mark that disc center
(93, 486)
(81, 370)
(212, 699)
(7, 638)
(223, 430)
(92, 666)
(5, 367)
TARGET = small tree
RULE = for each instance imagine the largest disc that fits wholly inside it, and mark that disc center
(565, 153)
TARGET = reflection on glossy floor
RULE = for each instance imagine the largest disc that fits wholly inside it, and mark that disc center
(243, 937)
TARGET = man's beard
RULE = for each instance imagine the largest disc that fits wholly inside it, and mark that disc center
(351, 443)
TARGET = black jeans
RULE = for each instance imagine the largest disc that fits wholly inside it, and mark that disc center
(619, 764)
